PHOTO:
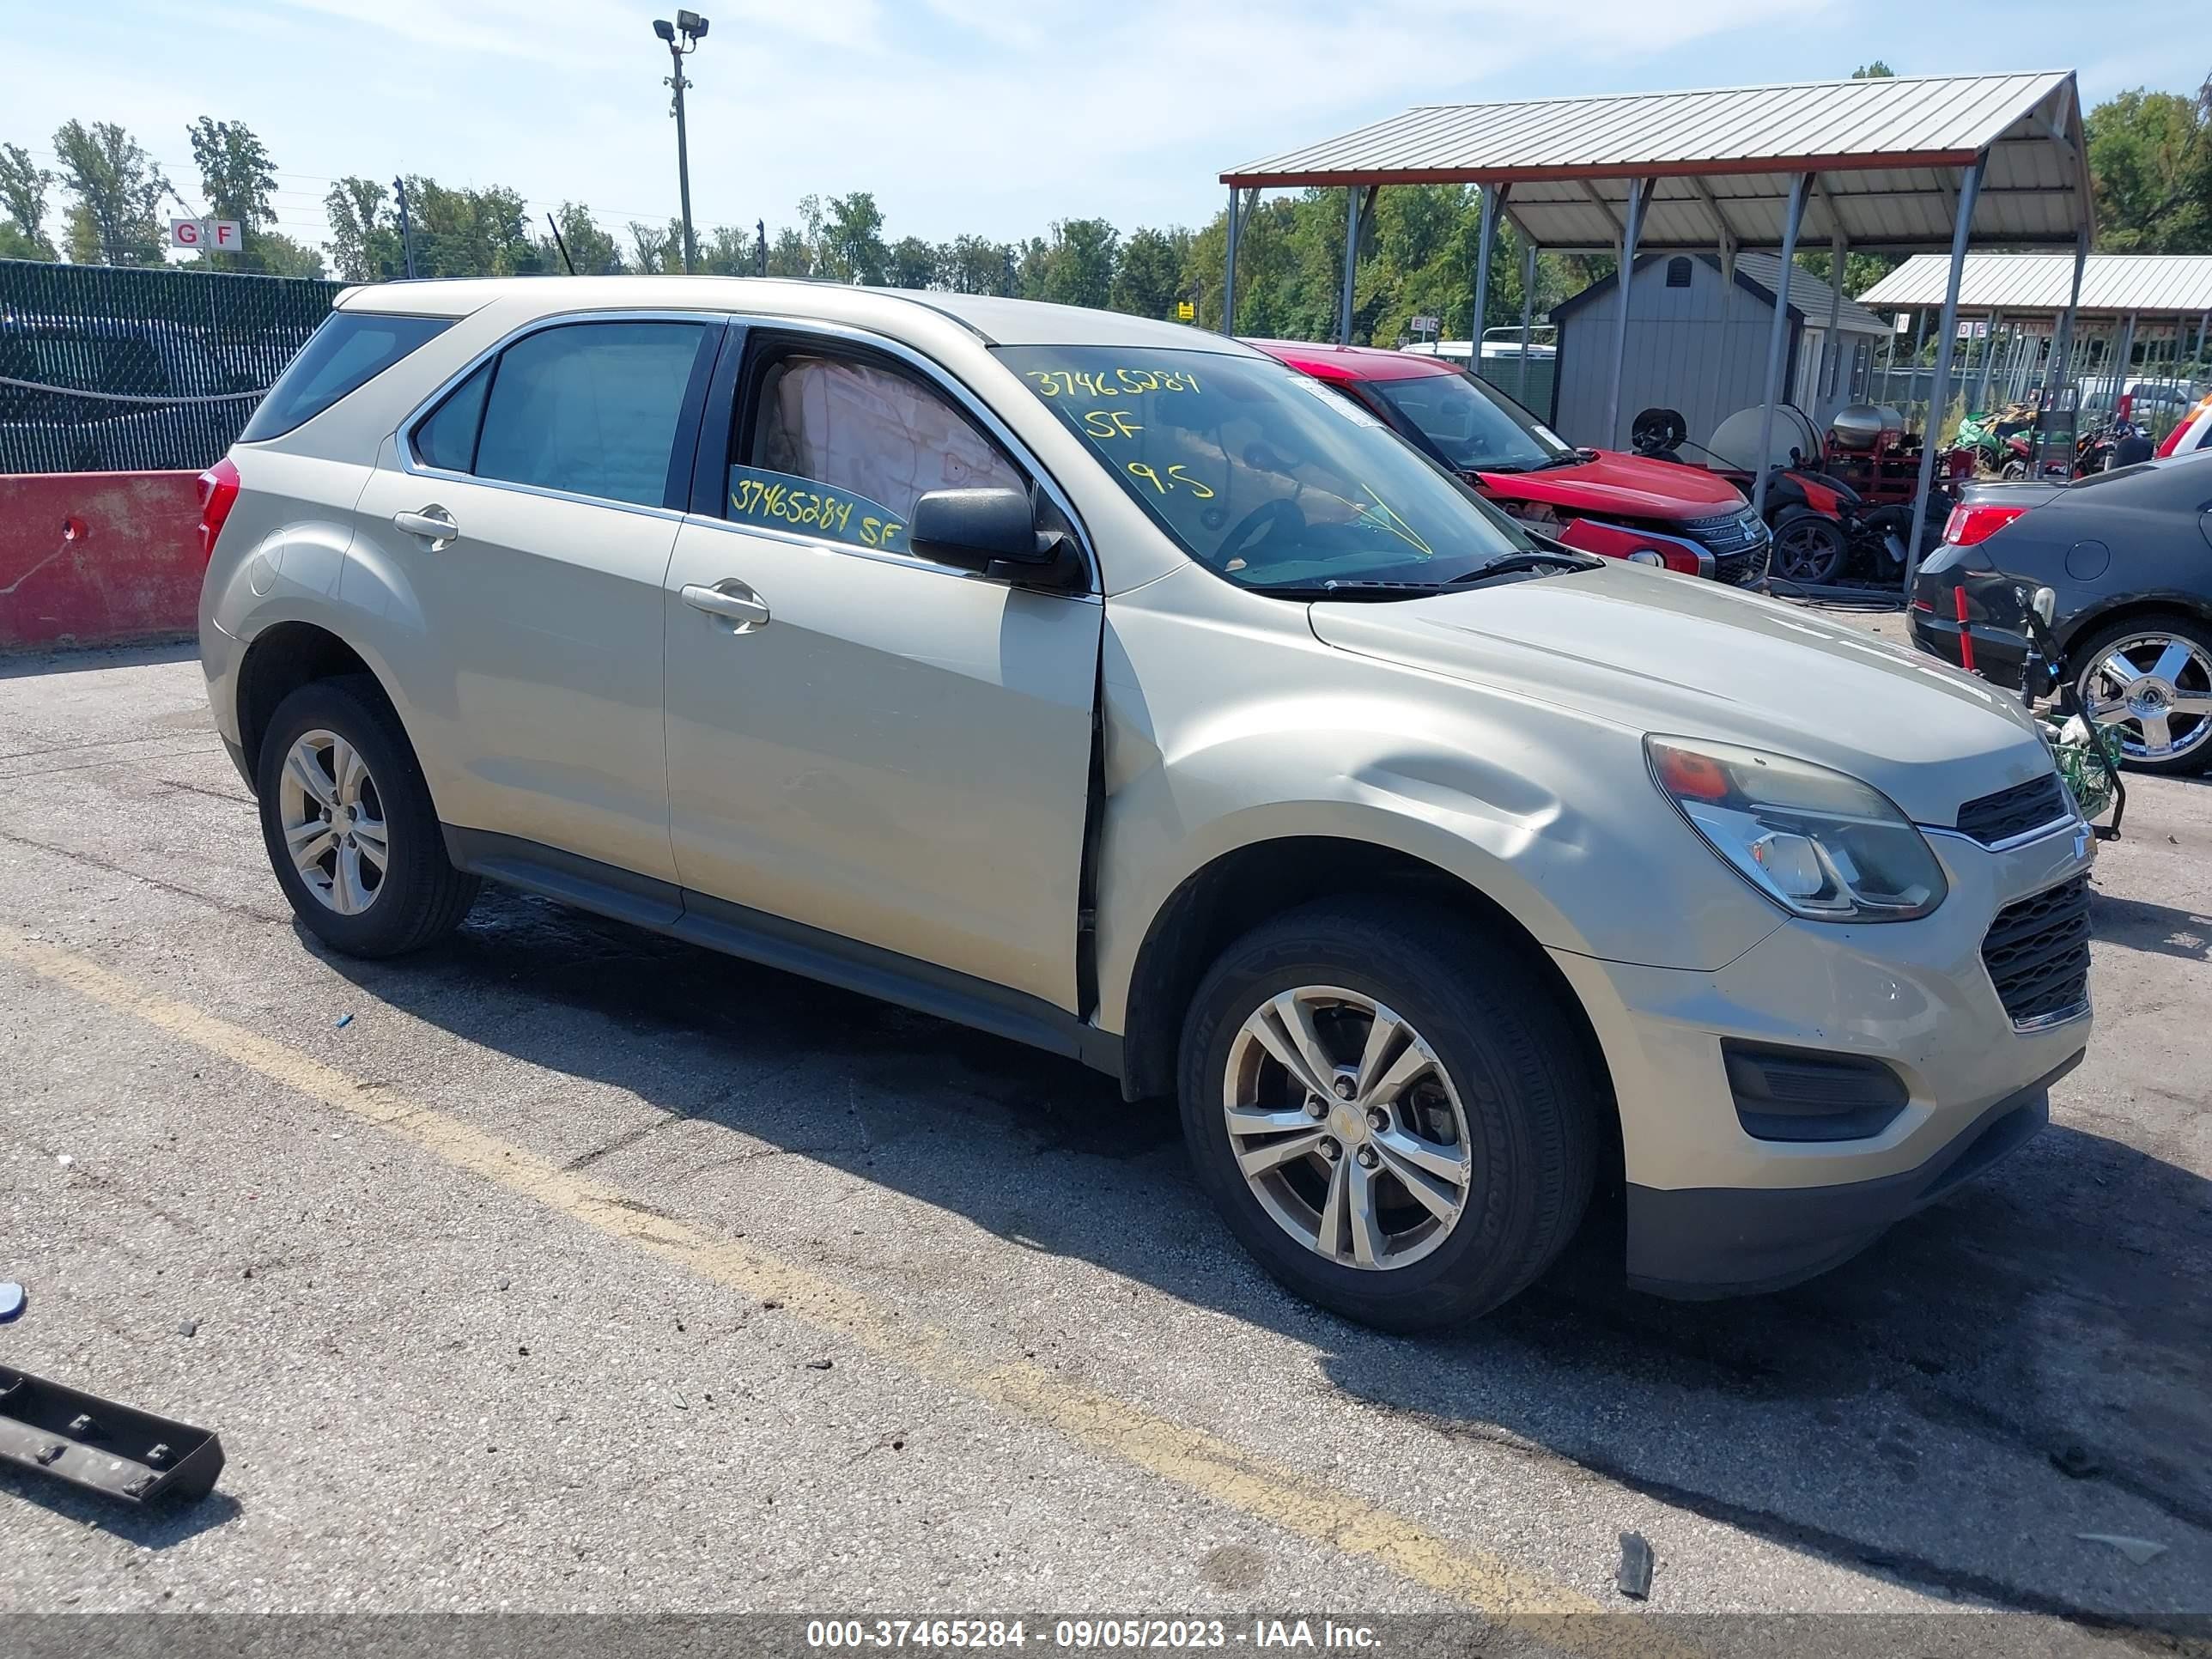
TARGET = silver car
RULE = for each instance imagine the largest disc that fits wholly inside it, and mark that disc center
(1104, 684)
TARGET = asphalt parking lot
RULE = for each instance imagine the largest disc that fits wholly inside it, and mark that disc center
(565, 1268)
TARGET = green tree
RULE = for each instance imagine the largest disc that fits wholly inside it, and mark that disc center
(851, 239)
(237, 183)
(116, 217)
(789, 255)
(1078, 269)
(471, 233)
(272, 253)
(2150, 161)
(728, 250)
(1877, 70)
(1149, 279)
(23, 189)
(976, 264)
(365, 244)
(591, 249)
(912, 263)
(653, 249)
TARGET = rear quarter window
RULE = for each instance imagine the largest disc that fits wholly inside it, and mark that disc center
(351, 348)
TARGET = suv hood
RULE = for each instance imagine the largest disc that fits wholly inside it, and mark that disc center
(1658, 653)
(1631, 486)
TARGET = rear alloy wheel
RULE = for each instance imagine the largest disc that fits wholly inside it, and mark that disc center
(332, 817)
(351, 832)
(2150, 680)
(1394, 1113)
(1809, 547)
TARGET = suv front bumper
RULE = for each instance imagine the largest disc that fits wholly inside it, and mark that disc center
(1714, 1210)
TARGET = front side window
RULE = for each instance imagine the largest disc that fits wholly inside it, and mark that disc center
(842, 447)
(1472, 428)
(588, 408)
(351, 348)
(1262, 474)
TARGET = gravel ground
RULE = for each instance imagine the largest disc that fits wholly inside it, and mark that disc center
(566, 1268)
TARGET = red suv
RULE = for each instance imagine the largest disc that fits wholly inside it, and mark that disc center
(1622, 506)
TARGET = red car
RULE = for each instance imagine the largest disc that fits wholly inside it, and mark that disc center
(1604, 501)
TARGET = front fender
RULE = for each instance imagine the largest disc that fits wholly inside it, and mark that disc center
(1548, 813)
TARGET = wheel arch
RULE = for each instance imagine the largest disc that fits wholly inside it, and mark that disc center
(2133, 608)
(1247, 885)
(282, 658)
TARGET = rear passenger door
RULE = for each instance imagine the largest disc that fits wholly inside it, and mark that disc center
(530, 510)
(867, 743)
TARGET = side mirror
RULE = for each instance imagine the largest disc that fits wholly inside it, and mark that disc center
(994, 531)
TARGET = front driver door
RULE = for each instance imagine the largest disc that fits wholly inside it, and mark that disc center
(888, 750)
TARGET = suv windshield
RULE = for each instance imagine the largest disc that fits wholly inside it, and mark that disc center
(1474, 428)
(1263, 475)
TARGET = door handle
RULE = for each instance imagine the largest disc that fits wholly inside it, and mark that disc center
(730, 600)
(434, 523)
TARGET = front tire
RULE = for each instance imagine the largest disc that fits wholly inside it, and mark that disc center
(347, 821)
(1394, 1117)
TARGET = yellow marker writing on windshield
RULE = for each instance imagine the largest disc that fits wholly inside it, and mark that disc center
(1111, 424)
(1387, 516)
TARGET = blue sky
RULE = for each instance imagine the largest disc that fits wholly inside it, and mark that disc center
(990, 115)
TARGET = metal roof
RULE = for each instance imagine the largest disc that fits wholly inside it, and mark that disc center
(2165, 284)
(1809, 297)
(1887, 158)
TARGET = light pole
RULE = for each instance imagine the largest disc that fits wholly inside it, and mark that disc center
(693, 28)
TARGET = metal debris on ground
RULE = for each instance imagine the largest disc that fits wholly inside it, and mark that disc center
(190, 1328)
(2141, 1550)
(344, 1020)
(1634, 1579)
(819, 1364)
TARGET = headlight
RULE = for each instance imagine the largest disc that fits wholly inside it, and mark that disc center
(1816, 842)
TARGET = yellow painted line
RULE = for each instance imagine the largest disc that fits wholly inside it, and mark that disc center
(1189, 1458)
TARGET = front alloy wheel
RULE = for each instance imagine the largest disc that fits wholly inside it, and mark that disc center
(1346, 1127)
(2155, 689)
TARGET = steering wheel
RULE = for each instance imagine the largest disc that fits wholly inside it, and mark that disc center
(1260, 523)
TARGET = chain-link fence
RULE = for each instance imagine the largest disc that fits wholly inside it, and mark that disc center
(105, 368)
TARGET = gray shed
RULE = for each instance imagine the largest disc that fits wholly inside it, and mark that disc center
(1699, 347)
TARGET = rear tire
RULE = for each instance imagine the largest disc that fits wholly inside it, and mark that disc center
(2171, 659)
(339, 786)
(1491, 1058)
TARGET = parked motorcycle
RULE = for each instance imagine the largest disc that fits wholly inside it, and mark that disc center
(2117, 443)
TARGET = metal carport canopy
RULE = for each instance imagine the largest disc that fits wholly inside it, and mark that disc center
(1887, 158)
(2028, 284)
(1891, 165)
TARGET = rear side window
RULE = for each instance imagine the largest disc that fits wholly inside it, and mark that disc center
(589, 408)
(449, 438)
(351, 348)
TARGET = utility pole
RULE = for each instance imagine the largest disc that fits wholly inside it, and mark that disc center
(406, 226)
(692, 29)
(760, 248)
